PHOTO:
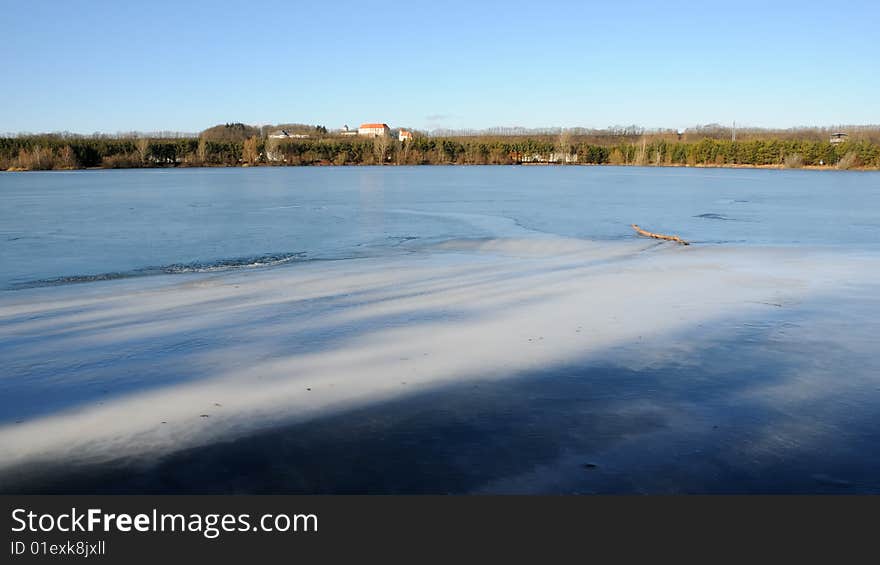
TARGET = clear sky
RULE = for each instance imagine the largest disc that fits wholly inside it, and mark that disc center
(94, 65)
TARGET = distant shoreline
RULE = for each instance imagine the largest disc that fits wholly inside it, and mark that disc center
(328, 164)
(64, 153)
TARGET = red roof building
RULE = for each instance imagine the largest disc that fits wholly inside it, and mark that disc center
(374, 129)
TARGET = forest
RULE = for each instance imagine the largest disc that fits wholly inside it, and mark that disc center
(236, 144)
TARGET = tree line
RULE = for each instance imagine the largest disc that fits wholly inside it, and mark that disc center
(46, 152)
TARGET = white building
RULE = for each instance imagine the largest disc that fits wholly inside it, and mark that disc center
(284, 134)
(374, 130)
(404, 135)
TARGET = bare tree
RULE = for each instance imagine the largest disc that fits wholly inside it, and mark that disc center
(202, 151)
(271, 147)
(380, 147)
(249, 151)
(563, 144)
(143, 148)
(642, 153)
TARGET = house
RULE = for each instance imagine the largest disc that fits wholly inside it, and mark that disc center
(374, 130)
(346, 131)
(838, 137)
(404, 135)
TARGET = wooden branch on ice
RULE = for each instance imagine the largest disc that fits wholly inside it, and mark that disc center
(646, 233)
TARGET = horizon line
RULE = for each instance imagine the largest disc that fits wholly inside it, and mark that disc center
(628, 129)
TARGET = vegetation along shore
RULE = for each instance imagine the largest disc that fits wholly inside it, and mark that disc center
(237, 144)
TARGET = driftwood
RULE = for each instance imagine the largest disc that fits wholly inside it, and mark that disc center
(646, 233)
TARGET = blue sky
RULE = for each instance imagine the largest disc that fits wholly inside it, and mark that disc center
(88, 66)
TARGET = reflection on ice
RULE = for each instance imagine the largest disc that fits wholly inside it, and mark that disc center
(141, 369)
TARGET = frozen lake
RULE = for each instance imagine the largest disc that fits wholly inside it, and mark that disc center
(439, 329)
